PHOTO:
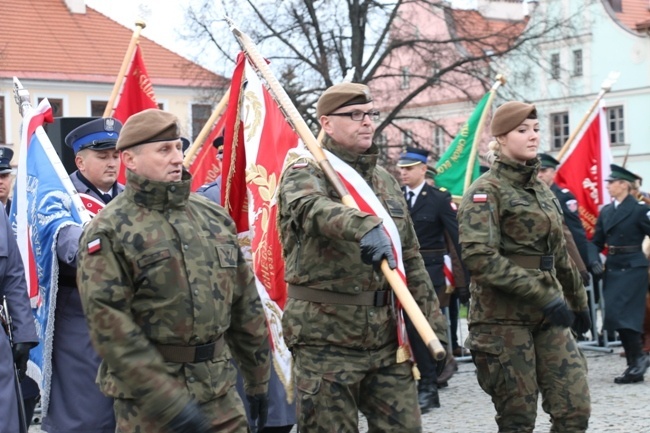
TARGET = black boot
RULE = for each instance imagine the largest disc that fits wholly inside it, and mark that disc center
(637, 362)
(428, 395)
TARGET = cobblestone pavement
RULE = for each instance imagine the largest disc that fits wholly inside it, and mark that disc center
(467, 409)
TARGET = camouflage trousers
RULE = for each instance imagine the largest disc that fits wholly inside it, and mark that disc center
(226, 412)
(515, 363)
(335, 383)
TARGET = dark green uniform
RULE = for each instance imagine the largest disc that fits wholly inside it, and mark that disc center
(512, 242)
(345, 355)
(160, 274)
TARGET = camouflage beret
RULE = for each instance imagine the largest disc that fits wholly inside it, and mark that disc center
(510, 115)
(342, 95)
(149, 126)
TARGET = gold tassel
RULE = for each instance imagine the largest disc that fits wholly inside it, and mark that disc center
(403, 354)
(416, 372)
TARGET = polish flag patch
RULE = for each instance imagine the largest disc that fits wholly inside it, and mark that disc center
(479, 198)
(94, 246)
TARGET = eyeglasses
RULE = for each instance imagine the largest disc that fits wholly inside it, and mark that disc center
(358, 115)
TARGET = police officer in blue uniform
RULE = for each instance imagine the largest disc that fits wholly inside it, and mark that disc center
(76, 404)
(621, 228)
(6, 176)
(14, 288)
(212, 190)
(434, 220)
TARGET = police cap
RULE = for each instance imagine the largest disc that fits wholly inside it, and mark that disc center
(342, 95)
(149, 126)
(98, 134)
(548, 161)
(6, 155)
(413, 156)
(619, 173)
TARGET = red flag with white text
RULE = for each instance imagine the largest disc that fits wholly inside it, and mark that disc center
(586, 166)
(205, 166)
(136, 95)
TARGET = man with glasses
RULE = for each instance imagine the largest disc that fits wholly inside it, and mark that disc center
(338, 320)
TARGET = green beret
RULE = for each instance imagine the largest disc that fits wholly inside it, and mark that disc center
(149, 126)
(510, 115)
(342, 95)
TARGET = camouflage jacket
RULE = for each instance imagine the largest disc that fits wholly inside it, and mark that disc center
(320, 238)
(508, 211)
(159, 265)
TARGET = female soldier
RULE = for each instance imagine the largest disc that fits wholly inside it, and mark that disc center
(621, 226)
(512, 242)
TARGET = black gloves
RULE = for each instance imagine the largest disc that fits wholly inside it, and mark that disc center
(586, 278)
(190, 420)
(558, 314)
(21, 356)
(375, 246)
(582, 322)
(596, 268)
(463, 294)
(259, 407)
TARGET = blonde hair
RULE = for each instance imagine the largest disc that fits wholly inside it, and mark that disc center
(493, 150)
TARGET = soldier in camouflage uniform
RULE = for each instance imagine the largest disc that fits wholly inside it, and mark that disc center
(168, 296)
(527, 289)
(337, 320)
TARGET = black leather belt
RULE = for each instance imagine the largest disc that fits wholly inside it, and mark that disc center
(191, 354)
(374, 298)
(543, 263)
(623, 249)
(433, 252)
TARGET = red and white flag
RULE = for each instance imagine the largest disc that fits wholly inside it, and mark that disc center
(136, 95)
(586, 166)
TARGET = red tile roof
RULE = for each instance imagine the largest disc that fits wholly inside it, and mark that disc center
(42, 39)
(634, 12)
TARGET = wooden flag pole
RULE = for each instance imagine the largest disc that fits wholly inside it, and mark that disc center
(500, 81)
(291, 114)
(604, 88)
(128, 57)
(199, 141)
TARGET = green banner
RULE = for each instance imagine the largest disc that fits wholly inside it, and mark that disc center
(452, 165)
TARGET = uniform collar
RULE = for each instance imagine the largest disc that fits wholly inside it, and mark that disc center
(523, 174)
(363, 163)
(158, 195)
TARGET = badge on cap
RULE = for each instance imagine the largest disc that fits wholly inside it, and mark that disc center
(94, 246)
(109, 124)
(479, 198)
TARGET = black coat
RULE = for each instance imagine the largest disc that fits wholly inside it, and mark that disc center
(436, 227)
(626, 274)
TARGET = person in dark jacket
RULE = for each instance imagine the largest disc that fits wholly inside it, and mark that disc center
(620, 228)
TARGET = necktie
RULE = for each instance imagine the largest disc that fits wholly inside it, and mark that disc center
(409, 199)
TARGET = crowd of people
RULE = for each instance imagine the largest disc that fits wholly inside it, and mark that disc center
(157, 316)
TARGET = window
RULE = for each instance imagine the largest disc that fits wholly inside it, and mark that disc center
(577, 63)
(439, 139)
(97, 108)
(3, 130)
(407, 137)
(555, 66)
(405, 78)
(56, 104)
(559, 129)
(200, 115)
(616, 125)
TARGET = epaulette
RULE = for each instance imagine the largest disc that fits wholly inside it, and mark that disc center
(442, 188)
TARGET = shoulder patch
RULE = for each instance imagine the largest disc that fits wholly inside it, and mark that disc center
(647, 214)
(565, 190)
(572, 205)
(479, 198)
(453, 206)
(442, 188)
(94, 246)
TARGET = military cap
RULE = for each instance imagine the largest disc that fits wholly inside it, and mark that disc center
(431, 173)
(619, 173)
(97, 134)
(342, 95)
(186, 143)
(510, 115)
(149, 126)
(548, 161)
(5, 160)
(413, 156)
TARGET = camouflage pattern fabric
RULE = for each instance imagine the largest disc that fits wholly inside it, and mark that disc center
(159, 266)
(320, 238)
(508, 211)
